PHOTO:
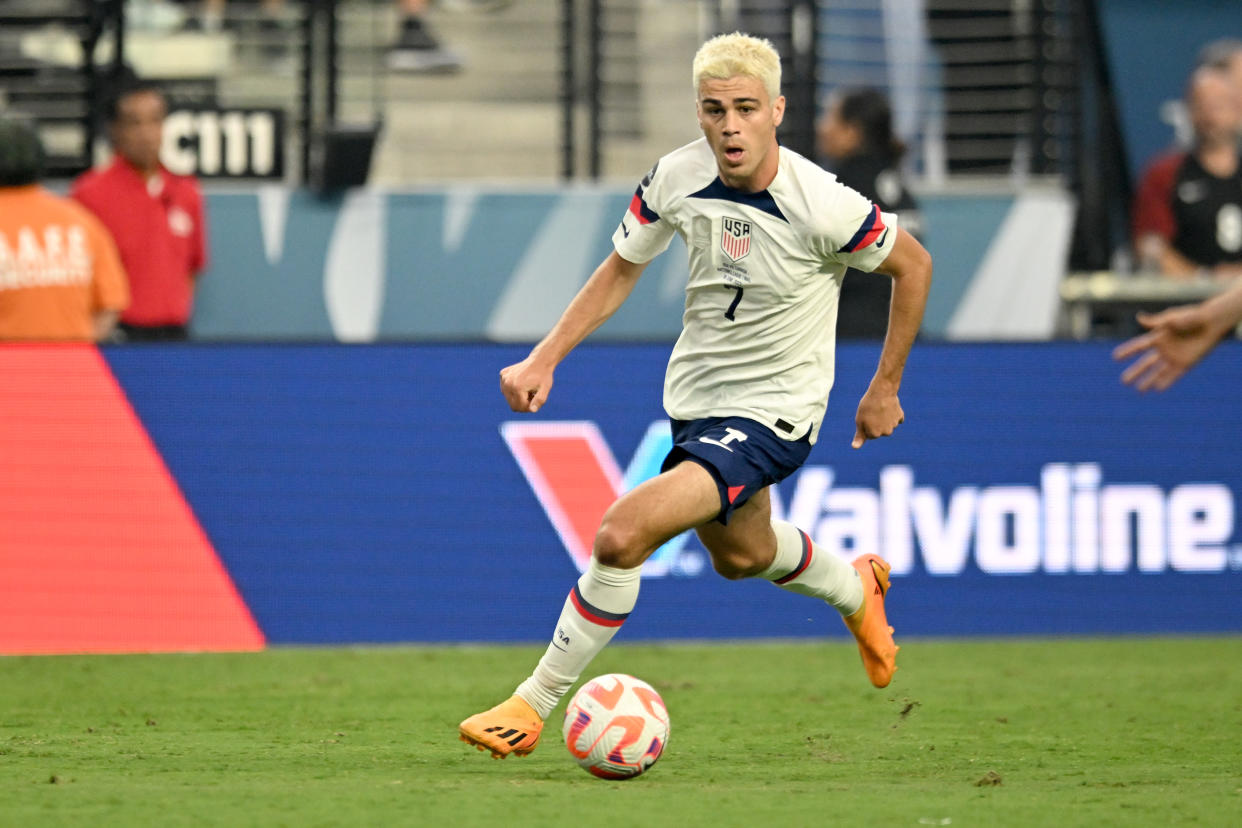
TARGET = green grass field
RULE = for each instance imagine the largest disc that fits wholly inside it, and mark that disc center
(999, 733)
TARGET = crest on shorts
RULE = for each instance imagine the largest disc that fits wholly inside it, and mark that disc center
(735, 238)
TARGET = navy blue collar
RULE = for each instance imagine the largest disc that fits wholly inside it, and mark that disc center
(761, 200)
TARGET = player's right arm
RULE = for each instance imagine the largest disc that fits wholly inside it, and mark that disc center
(526, 384)
(640, 237)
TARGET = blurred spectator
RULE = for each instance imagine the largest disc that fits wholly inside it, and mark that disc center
(60, 276)
(155, 217)
(1187, 214)
(416, 48)
(1226, 55)
(856, 141)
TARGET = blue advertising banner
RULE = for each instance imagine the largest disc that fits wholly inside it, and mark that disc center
(386, 493)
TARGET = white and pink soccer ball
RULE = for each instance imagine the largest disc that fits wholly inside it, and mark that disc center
(616, 726)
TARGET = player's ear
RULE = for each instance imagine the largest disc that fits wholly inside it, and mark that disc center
(778, 110)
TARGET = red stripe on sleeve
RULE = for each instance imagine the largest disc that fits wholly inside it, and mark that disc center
(876, 230)
(636, 208)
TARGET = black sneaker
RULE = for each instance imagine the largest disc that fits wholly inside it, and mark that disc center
(417, 50)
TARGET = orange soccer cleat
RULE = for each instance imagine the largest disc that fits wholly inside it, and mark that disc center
(870, 625)
(512, 726)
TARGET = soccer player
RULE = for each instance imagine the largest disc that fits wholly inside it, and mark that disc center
(770, 235)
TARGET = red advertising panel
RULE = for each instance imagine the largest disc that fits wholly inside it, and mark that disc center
(99, 551)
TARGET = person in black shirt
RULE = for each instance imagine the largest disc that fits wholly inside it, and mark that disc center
(1187, 215)
(856, 141)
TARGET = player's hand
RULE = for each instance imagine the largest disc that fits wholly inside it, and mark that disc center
(525, 385)
(879, 414)
(1176, 339)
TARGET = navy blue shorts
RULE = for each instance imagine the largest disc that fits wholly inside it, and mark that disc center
(742, 455)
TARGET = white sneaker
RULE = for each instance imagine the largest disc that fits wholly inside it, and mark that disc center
(474, 5)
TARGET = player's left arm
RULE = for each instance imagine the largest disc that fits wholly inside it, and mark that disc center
(910, 266)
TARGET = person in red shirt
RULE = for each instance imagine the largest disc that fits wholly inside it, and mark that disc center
(155, 217)
(1187, 215)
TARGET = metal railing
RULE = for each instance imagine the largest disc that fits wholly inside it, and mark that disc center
(998, 88)
(1103, 304)
(61, 96)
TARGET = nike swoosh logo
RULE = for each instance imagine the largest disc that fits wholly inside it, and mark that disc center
(1192, 191)
(625, 229)
(883, 239)
(559, 647)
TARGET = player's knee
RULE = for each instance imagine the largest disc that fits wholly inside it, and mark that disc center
(618, 545)
(734, 565)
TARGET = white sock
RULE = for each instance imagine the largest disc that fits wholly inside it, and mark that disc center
(804, 567)
(595, 609)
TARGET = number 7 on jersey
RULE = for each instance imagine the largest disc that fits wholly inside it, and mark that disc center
(733, 305)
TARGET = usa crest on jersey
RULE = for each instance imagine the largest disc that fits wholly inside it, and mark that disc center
(735, 237)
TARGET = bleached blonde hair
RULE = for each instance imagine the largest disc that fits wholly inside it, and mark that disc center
(729, 55)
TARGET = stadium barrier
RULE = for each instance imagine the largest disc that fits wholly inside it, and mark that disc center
(476, 263)
(224, 497)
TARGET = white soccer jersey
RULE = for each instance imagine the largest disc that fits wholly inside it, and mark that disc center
(759, 330)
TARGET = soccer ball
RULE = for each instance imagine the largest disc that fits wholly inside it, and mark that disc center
(616, 726)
